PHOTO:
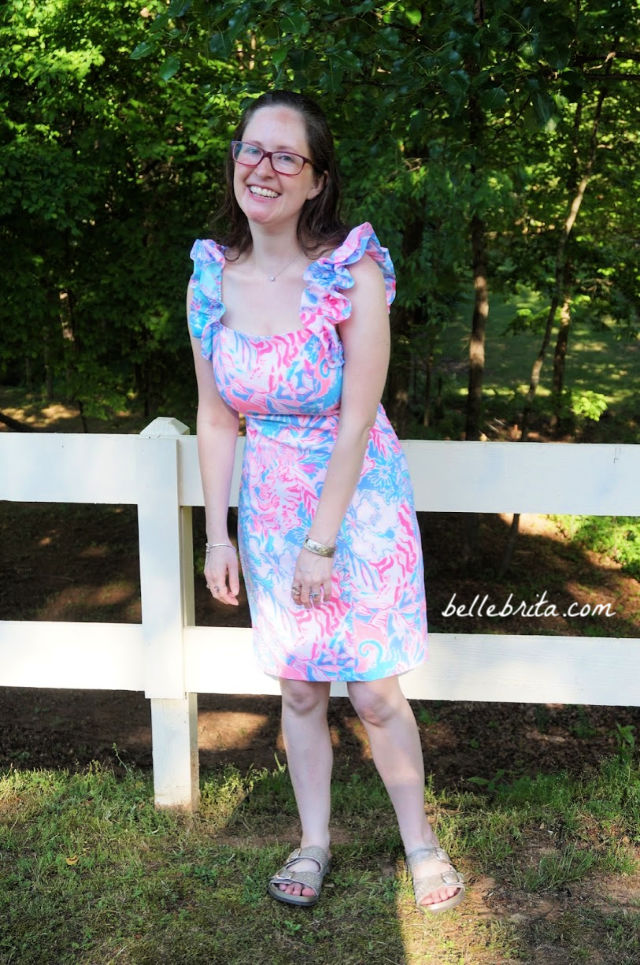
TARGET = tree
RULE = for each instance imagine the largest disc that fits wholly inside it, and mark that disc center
(455, 124)
(104, 167)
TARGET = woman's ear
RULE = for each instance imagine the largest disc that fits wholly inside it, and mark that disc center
(318, 186)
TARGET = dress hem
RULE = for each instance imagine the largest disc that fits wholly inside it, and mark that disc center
(346, 680)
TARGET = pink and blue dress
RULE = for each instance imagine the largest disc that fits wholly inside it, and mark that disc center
(288, 386)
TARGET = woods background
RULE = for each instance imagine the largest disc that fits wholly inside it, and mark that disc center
(494, 146)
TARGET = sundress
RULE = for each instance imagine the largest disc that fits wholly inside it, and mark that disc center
(288, 386)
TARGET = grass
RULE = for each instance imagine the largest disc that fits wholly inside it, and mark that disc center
(91, 873)
(598, 358)
(618, 537)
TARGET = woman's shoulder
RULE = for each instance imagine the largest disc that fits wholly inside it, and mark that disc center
(362, 256)
(359, 257)
(359, 241)
(206, 251)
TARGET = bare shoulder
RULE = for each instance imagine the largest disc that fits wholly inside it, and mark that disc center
(369, 312)
(366, 269)
(368, 281)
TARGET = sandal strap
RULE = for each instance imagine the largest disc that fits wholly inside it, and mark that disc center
(425, 884)
(312, 851)
(435, 853)
(309, 879)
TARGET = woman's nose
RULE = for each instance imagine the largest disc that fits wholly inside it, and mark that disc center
(264, 161)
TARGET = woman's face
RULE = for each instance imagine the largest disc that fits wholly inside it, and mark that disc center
(267, 198)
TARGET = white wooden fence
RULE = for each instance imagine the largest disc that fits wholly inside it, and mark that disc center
(171, 660)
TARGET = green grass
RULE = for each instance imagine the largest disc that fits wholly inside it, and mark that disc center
(597, 357)
(618, 537)
(91, 873)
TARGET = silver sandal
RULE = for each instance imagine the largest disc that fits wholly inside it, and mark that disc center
(425, 884)
(287, 875)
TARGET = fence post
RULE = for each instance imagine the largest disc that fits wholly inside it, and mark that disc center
(166, 583)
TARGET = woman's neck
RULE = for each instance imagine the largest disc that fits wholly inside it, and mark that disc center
(271, 253)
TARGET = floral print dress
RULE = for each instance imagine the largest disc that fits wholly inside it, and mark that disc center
(288, 386)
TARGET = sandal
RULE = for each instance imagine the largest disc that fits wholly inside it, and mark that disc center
(425, 884)
(308, 879)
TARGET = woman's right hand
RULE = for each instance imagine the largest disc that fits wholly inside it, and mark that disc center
(221, 574)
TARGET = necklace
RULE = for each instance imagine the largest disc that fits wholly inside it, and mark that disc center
(288, 265)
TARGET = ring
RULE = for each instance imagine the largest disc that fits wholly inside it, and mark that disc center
(214, 589)
(314, 594)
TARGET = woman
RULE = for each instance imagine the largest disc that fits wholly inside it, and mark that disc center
(289, 325)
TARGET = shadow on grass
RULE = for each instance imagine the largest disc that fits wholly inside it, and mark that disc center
(91, 873)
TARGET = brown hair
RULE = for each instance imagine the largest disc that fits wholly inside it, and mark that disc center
(319, 224)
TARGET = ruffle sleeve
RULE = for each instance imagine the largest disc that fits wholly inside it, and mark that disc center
(205, 308)
(329, 277)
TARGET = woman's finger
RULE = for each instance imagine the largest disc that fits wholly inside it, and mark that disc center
(222, 577)
(314, 596)
(223, 593)
(234, 577)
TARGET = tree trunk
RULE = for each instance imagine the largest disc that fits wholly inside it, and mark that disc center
(478, 327)
(68, 341)
(480, 299)
(48, 364)
(559, 359)
(428, 377)
(478, 260)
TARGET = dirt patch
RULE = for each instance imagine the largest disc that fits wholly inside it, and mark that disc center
(60, 728)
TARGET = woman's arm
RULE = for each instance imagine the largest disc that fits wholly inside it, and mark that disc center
(217, 429)
(366, 341)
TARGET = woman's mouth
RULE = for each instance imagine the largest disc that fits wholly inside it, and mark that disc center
(263, 192)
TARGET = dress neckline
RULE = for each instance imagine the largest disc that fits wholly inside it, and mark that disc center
(254, 335)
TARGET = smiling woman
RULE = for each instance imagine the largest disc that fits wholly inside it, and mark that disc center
(279, 195)
(319, 220)
(327, 531)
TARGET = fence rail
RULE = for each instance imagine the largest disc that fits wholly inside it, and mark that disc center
(171, 659)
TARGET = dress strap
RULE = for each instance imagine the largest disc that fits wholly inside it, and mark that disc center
(204, 306)
(329, 277)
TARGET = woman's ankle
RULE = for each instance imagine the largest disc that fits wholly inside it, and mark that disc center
(320, 840)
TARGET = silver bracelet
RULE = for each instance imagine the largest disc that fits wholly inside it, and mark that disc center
(210, 546)
(320, 549)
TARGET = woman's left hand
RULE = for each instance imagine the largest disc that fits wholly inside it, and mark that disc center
(311, 582)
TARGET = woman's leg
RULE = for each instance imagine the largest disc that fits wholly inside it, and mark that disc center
(309, 758)
(397, 753)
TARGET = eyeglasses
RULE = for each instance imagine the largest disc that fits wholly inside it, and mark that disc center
(283, 162)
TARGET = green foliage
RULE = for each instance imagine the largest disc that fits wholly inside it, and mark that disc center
(115, 121)
(616, 536)
(590, 405)
(104, 171)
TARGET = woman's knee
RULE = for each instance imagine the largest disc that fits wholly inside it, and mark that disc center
(304, 697)
(376, 701)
